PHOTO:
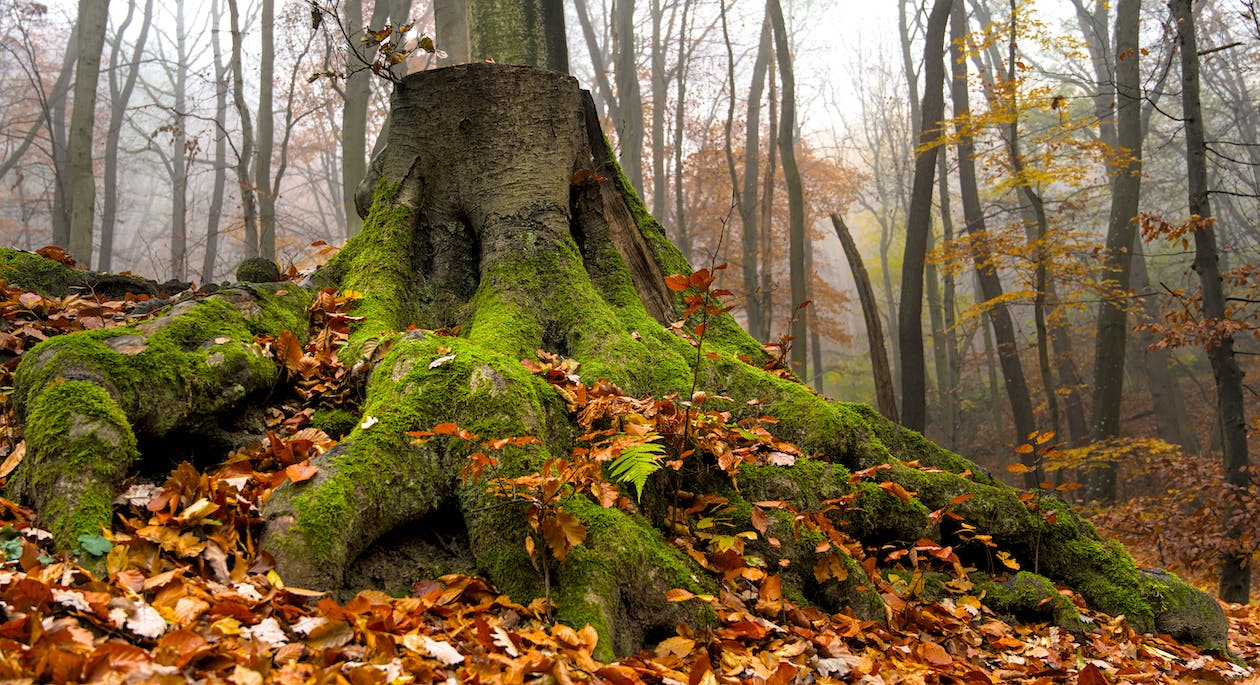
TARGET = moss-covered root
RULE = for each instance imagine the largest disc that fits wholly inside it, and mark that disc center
(617, 581)
(378, 481)
(78, 449)
(87, 397)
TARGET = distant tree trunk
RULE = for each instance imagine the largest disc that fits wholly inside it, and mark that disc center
(1094, 23)
(815, 340)
(767, 209)
(358, 91)
(119, 97)
(1235, 579)
(266, 134)
(55, 117)
(1040, 224)
(607, 97)
(936, 320)
(1125, 187)
(919, 222)
(680, 119)
(215, 213)
(1156, 365)
(180, 159)
(792, 179)
(948, 336)
(748, 197)
(246, 151)
(629, 102)
(884, 394)
(93, 16)
(660, 94)
(990, 285)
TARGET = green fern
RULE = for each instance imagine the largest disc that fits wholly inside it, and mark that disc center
(635, 464)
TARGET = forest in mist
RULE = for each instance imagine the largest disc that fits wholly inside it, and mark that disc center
(1056, 202)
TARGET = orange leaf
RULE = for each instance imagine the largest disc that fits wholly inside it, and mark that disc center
(303, 470)
(676, 282)
(896, 489)
(563, 532)
(1091, 675)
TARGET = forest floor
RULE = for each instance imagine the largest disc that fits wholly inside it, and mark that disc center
(179, 591)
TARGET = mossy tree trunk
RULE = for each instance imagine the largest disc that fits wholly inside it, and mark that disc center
(500, 210)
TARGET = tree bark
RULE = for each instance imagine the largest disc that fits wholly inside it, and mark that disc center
(919, 222)
(1235, 577)
(93, 16)
(1126, 186)
(884, 393)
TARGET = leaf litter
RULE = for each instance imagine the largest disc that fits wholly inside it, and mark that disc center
(183, 594)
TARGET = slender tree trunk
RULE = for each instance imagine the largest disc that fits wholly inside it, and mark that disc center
(598, 63)
(884, 393)
(215, 212)
(119, 97)
(1157, 366)
(748, 197)
(1125, 187)
(940, 362)
(630, 103)
(990, 285)
(93, 15)
(919, 223)
(660, 93)
(180, 159)
(1235, 579)
(680, 121)
(950, 409)
(55, 117)
(266, 134)
(767, 208)
(246, 151)
(792, 179)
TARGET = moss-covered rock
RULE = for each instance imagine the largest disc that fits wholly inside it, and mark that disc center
(257, 270)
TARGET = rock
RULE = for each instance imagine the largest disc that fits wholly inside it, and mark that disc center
(1189, 614)
(257, 270)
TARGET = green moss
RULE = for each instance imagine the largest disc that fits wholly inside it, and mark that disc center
(32, 271)
(619, 588)
(337, 423)
(194, 362)
(80, 447)
(1029, 597)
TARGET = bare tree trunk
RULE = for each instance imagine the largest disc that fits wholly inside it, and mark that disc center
(680, 119)
(246, 151)
(660, 94)
(629, 102)
(1157, 365)
(950, 337)
(748, 197)
(767, 211)
(1235, 579)
(215, 213)
(93, 15)
(119, 97)
(598, 63)
(792, 179)
(990, 285)
(884, 394)
(919, 223)
(55, 119)
(266, 134)
(180, 159)
(1125, 187)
